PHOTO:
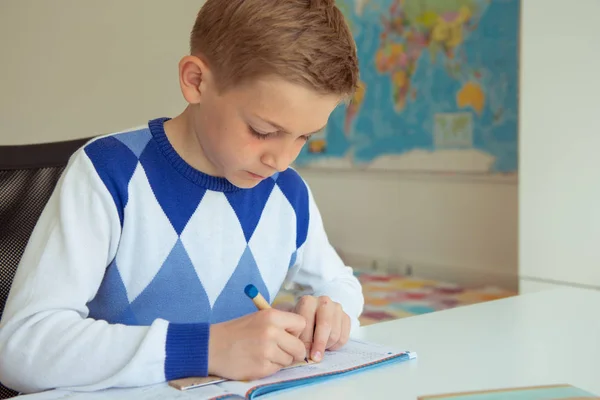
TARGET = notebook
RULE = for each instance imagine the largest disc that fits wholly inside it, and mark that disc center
(520, 393)
(354, 357)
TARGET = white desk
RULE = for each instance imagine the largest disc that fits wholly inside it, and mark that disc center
(541, 338)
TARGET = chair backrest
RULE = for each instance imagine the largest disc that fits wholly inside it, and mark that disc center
(28, 176)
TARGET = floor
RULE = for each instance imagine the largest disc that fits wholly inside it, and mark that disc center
(390, 297)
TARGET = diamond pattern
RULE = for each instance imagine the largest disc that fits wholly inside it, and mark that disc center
(111, 299)
(249, 205)
(293, 187)
(144, 218)
(186, 253)
(176, 196)
(174, 294)
(214, 222)
(115, 165)
(273, 251)
(136, 141)
(232, 303)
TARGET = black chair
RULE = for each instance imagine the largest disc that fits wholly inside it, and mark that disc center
(28, 176)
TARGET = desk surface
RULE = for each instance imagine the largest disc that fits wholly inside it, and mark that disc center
(541, 338)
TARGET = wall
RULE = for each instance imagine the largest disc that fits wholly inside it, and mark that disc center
(559, 193)
(75, 68)
(445, 228)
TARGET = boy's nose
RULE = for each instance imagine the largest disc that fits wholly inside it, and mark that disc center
(278, 162)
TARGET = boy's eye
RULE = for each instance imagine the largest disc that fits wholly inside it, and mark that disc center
(260, 135)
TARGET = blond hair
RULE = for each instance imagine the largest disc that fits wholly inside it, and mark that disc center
(303, 41)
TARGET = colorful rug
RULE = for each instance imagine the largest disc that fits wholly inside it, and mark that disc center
(390, 296)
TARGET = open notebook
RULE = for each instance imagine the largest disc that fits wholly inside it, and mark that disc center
(353, 357)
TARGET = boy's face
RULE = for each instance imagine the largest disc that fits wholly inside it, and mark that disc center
(249, 133)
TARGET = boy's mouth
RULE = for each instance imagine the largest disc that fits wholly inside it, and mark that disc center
(255, 176)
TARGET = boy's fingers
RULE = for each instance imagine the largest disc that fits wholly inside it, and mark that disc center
(307, 307)
(336, 326)
(345, 336)
(292, 347)
(282, 357)
(291, 322)
(325, 319)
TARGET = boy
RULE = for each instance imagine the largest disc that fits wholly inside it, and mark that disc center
(135, 273)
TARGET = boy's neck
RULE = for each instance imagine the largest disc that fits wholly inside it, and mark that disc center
(186, 144)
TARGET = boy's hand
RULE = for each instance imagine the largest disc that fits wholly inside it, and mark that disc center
(327, 326)
(256, 345)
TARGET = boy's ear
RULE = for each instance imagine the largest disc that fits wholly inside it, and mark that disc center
(193, 78)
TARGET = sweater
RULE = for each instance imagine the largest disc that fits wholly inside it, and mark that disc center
(137, 253)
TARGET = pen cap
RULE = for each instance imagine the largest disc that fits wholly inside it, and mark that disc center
(251, 291)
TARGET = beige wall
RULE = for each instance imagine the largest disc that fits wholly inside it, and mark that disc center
(449, 228)
(75, 68)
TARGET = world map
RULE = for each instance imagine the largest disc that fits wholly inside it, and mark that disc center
(438, 89)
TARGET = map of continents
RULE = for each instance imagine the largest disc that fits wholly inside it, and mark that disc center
(438, 89)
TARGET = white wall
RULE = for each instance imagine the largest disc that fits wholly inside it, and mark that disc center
(559, 193)
(75, 68)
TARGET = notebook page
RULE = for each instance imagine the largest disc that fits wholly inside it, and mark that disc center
(354, 354)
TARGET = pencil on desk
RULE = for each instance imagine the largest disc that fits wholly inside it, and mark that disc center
(258, 300)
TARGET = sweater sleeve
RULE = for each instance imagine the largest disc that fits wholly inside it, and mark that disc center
(321, 269)
(47, 339)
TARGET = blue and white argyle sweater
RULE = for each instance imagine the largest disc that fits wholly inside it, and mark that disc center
(137, 253)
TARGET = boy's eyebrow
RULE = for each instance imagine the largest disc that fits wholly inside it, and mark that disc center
(281, 128)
